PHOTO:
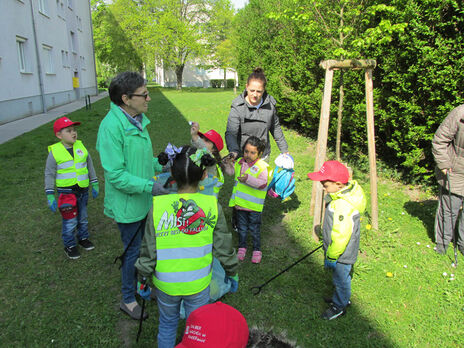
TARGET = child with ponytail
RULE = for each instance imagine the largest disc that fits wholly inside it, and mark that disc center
(183, 232)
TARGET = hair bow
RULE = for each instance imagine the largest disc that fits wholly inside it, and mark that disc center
(172, 151)
(196, 157)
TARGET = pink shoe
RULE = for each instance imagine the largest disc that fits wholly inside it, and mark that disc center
(241, 254)
(257, 256)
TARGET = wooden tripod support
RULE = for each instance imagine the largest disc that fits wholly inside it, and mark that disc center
(321, 149)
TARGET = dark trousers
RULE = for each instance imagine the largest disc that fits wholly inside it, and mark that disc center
(249, 221)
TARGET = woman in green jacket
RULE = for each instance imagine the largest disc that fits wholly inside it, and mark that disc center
(126, 155)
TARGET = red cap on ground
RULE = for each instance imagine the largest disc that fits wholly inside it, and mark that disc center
(215, 325)
(332, 171)
(214, 137)
(63, 122)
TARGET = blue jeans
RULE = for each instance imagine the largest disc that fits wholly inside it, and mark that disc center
(168, 307)
(80, 221)
(342, 281)
(249, 221)
(128, 276)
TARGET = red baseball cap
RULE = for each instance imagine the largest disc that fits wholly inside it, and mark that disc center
(63, 122)
(332, 171)
(215, 325)
(214, 137)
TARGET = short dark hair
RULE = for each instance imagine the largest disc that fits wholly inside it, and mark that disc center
(258, 74)
(255, 141)
(124, 83)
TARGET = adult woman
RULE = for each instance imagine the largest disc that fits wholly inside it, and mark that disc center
(254, 113)
(126, 155)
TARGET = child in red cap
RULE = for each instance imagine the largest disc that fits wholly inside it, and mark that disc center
(215, 325)
(345, 202)
(70, 167)
(212, 141)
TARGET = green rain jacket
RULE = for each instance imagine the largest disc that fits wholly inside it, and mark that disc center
(126, 156)
(341, 228)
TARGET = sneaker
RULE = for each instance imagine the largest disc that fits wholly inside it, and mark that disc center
(241, 254)
(332, 312)
(257, 256)
(135, 313)
(72, 252)
(86, 244)
(328, 300)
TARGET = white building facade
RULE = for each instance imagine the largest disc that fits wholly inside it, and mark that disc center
(46, 55)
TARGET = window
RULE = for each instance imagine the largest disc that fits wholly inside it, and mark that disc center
(48, 59)
(73, 42)
(59, 8)
(43, 7)
(64, 59)
(21, 47)
(82, 59)
(70, 4)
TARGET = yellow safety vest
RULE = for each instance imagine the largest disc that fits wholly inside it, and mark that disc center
(184, 225)
(246, 196)
(220, 181)
(70, 171)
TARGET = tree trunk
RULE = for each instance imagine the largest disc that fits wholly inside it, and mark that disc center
(339, 117)
(225, 78)
(179, 71)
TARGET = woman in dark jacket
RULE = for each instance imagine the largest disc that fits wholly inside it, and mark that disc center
(254, 113)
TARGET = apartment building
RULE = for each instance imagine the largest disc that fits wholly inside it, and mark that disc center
(46, 55)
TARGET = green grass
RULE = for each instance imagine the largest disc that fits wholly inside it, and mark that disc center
(48, 300)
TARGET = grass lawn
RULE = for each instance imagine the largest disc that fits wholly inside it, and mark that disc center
(49, 300)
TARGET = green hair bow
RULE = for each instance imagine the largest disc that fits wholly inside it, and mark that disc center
(197, 156)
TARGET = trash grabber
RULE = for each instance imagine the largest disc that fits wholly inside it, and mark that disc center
(121, 257)
(257, 289)
(452, 221)
(144, 283)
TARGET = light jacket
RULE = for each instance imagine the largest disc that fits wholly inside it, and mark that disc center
(70, 171)
(448, 150)
(245, 121)
(245, 195)
(126, 155)
(341, 228)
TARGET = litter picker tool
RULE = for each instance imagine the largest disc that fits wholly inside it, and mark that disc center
(121, 257)
(257, 289)
(144, 284)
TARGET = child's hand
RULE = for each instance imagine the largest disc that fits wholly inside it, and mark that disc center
(194, 128)
(243, 178)
(95, 190)
(51, 202)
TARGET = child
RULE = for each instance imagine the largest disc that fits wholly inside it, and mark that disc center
(252, 175)
(212, 141)
(70, 167)
(182, 234)
(341, 230)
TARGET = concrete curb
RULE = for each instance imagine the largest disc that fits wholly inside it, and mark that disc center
(14, 129)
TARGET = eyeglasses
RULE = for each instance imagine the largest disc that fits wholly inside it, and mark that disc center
(140, 95)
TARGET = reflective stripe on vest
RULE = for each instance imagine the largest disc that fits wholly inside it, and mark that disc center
(246, 196)
(70, 171)
(184, 225)
(220, 181)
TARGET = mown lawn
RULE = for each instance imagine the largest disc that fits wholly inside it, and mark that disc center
(48, 300)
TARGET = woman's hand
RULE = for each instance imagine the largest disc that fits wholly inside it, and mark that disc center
(243, 178)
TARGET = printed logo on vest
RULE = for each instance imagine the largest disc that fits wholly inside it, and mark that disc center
(254, 169)
(80, 153)
(189, 218)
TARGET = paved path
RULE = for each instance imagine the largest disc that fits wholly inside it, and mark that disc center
(13, 129)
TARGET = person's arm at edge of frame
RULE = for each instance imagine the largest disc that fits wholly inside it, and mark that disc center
(146, 262)
(93, 180)
(444, 135)
(222, 245)
(111, 149)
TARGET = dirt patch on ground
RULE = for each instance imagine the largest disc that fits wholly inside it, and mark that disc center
(125, 328)
(278, 234)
